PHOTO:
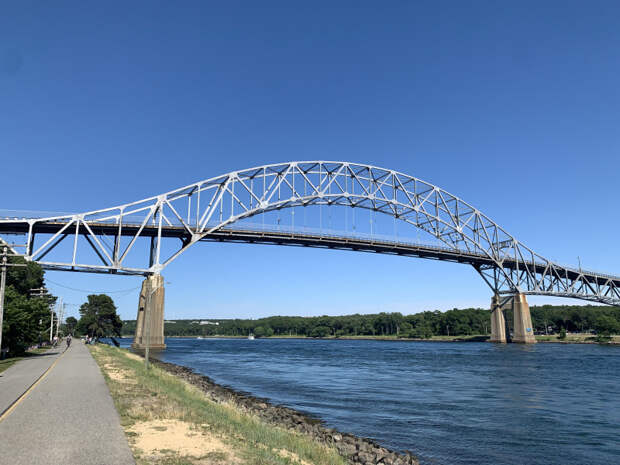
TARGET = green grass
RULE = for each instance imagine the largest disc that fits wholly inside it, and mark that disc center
(574, 338)
(156, 394)
(4, 364)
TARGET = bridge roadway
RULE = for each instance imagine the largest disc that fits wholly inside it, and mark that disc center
(305, 239)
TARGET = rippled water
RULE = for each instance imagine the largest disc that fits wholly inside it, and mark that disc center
(449, 403)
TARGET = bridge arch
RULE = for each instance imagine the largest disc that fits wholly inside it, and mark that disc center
(420, 204)
(202, 209)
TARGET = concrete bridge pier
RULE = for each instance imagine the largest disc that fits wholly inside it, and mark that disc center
(523, 331)
(150, 319)
(498, 322)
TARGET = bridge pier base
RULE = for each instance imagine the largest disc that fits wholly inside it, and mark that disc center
(151, 307)
(498, 322)
(523, 331)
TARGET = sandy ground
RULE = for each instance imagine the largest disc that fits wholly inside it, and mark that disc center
(158, 438)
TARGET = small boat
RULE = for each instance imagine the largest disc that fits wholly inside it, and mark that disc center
(200, 337)
(251, 337)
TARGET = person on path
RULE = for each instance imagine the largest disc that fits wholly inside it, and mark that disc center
(68, 341)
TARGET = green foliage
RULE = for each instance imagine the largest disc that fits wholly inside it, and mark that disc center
(562, 334)
(26, 318)
(22, 315)
(23, 279)
(573, 318)
(405, 329)
(464, 322)
(320, 331)
(263, 331)
(98, 317)
(422, 331)
(602, 338)
(606, 325)
(70, 325)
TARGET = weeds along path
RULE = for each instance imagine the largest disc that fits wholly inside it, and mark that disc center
(170, 422)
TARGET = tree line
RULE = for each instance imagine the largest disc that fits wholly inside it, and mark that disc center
(27, 316)
(456, 322)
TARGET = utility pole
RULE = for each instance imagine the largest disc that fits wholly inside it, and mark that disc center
(3, 266)
(41, 292)
(61, 312)
(2, 285)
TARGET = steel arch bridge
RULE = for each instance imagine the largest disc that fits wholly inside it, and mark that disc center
(214, 210)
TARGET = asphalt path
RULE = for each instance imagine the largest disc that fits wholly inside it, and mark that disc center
(20, 376)
(67, 418)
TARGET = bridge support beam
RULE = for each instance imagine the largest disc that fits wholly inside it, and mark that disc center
(523, 331)
(150, 319)
(498, 322)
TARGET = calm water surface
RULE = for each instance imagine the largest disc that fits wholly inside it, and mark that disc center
(449, 403)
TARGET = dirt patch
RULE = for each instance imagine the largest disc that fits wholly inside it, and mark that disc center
(134, 357)
(118, 375)
(159, 438)
(292, 457)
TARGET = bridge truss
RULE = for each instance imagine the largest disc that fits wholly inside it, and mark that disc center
(214, 209)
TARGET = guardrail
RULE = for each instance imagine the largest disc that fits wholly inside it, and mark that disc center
(25, 215)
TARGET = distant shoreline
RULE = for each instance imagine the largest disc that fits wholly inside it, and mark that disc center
(577, 339)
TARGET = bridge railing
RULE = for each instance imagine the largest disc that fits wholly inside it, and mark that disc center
(136, 221)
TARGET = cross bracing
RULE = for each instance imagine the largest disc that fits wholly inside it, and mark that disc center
(215, 209)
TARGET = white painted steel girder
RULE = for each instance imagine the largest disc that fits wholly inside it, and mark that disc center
(196, 212)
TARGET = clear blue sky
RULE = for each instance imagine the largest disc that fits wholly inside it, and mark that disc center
(513, 106)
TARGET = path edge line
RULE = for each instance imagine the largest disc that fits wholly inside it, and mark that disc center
(7, 411)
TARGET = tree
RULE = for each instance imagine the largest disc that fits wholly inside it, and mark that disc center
(98, 317)
(405, 328)
(320, 331)
(21, 327)
(263, 331)
(26, 318)
(562, 334)
(469, 321)
(606, 325)
(24, 278)
(70, 324)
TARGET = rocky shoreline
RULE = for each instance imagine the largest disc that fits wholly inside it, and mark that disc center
(357, 450)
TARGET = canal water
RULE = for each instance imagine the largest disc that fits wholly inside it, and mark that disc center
(448, 403)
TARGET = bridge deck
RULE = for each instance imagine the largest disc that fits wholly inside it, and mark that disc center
(305, 239)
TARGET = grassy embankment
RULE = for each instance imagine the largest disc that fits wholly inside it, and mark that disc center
(4, 364)
(573, 338)
(170, 422)
(576, 338)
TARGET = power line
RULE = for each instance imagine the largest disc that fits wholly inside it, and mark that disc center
(86, 291)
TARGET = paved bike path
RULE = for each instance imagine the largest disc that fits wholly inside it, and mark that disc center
(18, 377)
(67, 418)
